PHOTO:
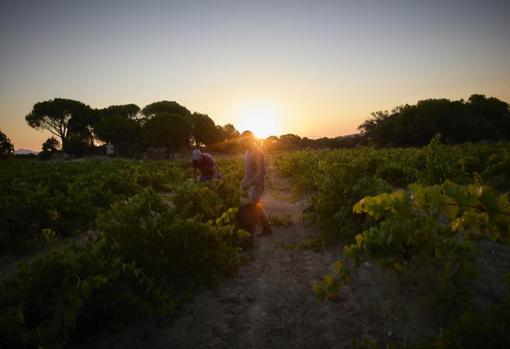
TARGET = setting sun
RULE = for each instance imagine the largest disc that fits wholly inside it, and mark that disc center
(261, 119)
(242, 161)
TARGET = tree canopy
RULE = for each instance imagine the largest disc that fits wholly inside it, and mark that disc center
(50, 145)
(171, 125)
(229, 132)
(114, 129)
(167, 130)
(63, 117)
(129, 111)
(165, 107)
(204, 130)
(6, 146)
(478, 118)
(77, 125)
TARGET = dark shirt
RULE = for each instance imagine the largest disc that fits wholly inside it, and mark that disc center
(206, 165)
(255, 167)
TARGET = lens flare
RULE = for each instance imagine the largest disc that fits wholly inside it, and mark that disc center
(261, 119)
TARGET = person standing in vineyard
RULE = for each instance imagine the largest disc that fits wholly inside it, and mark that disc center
(254, 178)
(205, 164)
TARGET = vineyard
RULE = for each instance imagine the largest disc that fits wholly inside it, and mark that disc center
(421, 213)
(104, 244)
(110, 243)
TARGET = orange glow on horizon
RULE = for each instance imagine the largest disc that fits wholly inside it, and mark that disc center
(262, 119)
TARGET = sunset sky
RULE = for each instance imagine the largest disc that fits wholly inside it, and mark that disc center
(314, 68)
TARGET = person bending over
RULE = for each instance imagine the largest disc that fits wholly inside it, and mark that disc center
(204, 164)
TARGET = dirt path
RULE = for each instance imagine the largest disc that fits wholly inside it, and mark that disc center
(270, 303)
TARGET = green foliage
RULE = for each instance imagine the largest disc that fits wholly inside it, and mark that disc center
(422, 232)
(336, 180)
(330, 285)
(203, 201)
(72, 289)
(179, 253)
(438, 168)
(208, 200)
(419, 230)
(66, 197)
(145, 257)
(497, 171)
(149, 254)
(476, 210)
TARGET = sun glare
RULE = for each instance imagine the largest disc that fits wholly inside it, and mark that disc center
(261, 119)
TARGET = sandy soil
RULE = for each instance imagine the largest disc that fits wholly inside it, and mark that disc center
(270, 303)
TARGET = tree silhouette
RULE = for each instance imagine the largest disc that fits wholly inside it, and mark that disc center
(114, 129)
(63, 117)
(50, 145)
(271, 143)
(165, 107)
(229, 132)
(289, 142)
(478, 118)
(167, 130)
(6, 147)
(204, 130)
(129, 111)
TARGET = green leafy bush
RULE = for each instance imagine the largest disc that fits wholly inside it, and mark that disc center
(66, 197)
(70, 290)
(335, 180)
(148, 255)
(180, 254)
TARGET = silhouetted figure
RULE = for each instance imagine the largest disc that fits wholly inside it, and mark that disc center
(254, 180)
